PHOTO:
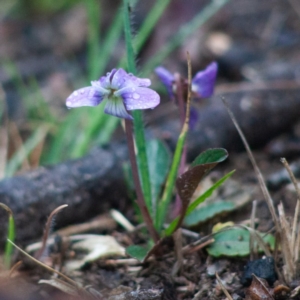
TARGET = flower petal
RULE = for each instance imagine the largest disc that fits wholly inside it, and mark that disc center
(121, 79)
(105, 81)
(87, 96)
(143, 82)
(138, 98)
(96, 84)
(118, 79)
(115, 107)
(204, 81)
(167, 78)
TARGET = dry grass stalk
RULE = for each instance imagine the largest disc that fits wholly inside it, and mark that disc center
(288, 235)
(223, 287)
(291, 236)
(259, 175)
(121, 220)
(296, 216)
(253, 251)
(18, 144)
(286, 245)
(66, 278)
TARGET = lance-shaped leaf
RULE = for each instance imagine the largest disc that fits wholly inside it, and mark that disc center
(187, 182)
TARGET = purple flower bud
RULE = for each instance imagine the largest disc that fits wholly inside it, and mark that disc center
(123, 92)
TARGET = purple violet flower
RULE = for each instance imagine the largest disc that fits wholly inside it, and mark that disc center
(202, 83)
(123, 92)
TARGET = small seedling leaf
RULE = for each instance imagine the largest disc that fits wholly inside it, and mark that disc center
(138, 252)
(235, 242)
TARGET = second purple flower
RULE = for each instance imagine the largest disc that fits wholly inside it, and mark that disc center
(202, 84)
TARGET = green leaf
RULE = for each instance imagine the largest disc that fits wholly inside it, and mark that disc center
(137, 252)
(208, 193)
(198, 201)
(235, 242)
(160, 158)
(215, 155)
(187, 182)
(208, 211)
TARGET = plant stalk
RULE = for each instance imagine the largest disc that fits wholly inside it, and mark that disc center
(182, 113)
(136, 179)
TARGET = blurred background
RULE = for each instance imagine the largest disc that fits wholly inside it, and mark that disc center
(49, 48)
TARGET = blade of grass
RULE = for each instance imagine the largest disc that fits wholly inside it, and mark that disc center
(39, 104)
(147, 26)
(110, 126)
(212, 8)
(35, 105)
(94, 20)
(137, 116)
(111, 38)
(258, 173)
(17, 144)
(149, 23)
(10, 235)
(15, 162)
(96, 120)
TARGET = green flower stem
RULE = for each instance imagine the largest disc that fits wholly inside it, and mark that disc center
(137, 115)
(135, 173)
